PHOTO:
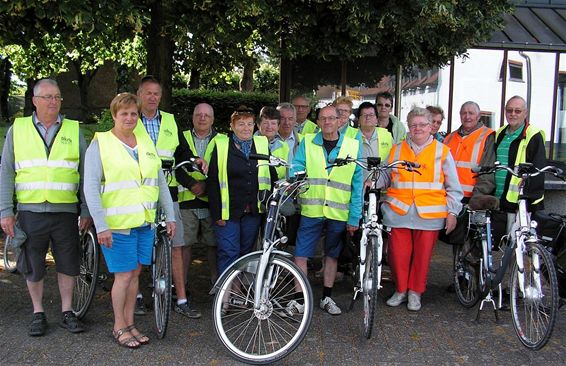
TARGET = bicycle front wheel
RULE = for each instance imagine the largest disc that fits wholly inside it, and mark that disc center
(535, 309)
(466, 275)
(10, 255)
(277, 327)
(161, 283)
(85, 282)
(370, 285)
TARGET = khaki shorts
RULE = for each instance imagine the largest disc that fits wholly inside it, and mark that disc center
(179, 232)
(198, 232)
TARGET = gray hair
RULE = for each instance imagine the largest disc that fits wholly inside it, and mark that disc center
(288, 107)
(519, 98)
(473, 104)
(42, 82)
(203, 105)
(418, 112)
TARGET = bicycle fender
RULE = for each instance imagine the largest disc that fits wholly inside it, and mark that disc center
(247, 263)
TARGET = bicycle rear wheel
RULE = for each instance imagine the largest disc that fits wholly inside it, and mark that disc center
(85, 282)
(466, 276)
(267, 334)
(161, 283)
(10, 255)
(370, 285)
(534, 311)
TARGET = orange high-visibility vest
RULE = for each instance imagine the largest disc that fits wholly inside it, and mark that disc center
(426, 190)
(467, 152)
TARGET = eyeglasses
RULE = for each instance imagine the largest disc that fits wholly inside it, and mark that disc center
(386, 105)
(324, 119)
(347, 111)
(301, 106)
(511, 110)
(368, 115)
(419, 125)
(204, 115)
(50, 98)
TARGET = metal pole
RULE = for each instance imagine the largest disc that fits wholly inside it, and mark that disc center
(451, 95)
(398, 80)
(503, 88)
(554, 105)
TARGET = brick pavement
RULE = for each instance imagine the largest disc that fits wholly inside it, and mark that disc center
(441, 333)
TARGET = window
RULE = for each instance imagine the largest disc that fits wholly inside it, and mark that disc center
(487, 119)
(560, 146)
(515, 72)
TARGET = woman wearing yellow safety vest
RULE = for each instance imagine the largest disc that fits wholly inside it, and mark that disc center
(417, 206)
(123, 184)
(268, 125)
(235, 186)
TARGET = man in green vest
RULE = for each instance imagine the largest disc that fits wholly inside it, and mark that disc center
(162, 129)
(303, 124)
(42, 162)
(332, 202)
(193, 199)
(515, 143)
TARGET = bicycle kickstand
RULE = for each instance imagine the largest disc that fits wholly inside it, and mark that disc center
(356, 292)
(488, 299)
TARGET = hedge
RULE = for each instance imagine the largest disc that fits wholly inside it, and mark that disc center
(224, 103)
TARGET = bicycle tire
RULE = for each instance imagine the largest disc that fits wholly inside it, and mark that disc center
(10, 255)
(85, 282)
(466, 277)
(534, 312)
(161, 269)
(370, 284)
(241, 328)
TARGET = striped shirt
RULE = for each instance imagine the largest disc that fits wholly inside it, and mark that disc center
(152, 126)
(503, 158)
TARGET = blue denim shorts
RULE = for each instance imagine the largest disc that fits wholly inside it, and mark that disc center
(129, 250)
(311, 230)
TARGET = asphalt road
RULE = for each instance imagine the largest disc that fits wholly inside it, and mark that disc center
(441, 333)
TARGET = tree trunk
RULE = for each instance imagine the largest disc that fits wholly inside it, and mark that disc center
(84, 81)
(194, 82)
(28, 106)
(247, 82)
(5, 76)
(160, 49)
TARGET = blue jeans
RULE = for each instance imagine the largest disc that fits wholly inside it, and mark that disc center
(235, 239)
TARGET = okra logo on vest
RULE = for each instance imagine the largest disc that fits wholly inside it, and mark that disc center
(150, 155)
(66, 140)
(168, 132)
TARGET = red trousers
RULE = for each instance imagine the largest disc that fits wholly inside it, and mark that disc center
(410, 251)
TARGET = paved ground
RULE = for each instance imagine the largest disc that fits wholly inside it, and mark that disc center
(441, 333)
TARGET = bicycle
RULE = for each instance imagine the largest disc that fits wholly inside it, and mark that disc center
(250, 313)
(533, 283)
(86, 281)
(367, 275)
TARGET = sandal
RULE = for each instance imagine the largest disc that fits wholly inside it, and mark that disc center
(131, 342)
(140, 337)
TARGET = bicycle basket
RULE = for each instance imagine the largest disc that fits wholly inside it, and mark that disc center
(478, 218)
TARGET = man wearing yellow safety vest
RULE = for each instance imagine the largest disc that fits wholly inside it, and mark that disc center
(162, 129)
(471, 145)
(287, 134)
(303, 124)
(193, 198)
(42, 162)
(332, 201)
(515, 143)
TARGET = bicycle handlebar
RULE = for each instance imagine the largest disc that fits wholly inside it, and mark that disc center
(272, 160)
(521, 170)
(372, 165)
(192, 163)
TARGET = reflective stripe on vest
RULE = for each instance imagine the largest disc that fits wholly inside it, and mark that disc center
(41, 178)
(185, 194)
(513, 190)
(167, 140)
(328, 194)
(264, 179)
(130, 190)
(467, 152)
(281, 150)
(426, 191)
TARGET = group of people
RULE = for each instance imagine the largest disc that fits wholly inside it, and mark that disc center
(118, 184)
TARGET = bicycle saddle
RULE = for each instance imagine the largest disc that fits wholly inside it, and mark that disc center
(484, 202)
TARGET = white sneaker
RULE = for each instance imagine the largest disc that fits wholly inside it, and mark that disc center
(397, 299)
(328, 305)
(294, 308)
(414, 301)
